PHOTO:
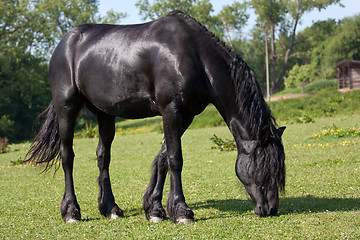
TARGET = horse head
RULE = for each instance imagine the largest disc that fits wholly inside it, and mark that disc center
(260, 167)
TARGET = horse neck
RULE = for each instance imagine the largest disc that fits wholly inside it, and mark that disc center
(238, 97)
(217, 68)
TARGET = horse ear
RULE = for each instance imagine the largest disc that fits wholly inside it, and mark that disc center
(264, 134)
(280, 131)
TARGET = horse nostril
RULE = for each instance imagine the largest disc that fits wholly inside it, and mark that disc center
(264, 211)
(273, 211)
(260, 211)
(257, 211)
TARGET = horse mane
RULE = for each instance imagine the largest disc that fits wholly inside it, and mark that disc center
(254, 109)
(214, 39)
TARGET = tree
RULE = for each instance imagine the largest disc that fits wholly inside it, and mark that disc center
(59, 16)
(310, 47)
(232, 17)
(270, 14)
(29, 30)
(297, 8)
(199, 9)
(286, 14)
(344, 44)
(327, 42)
(299, 76)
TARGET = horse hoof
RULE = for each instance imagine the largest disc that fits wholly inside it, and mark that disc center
(114, 216)
(184, 220)
(72, 220)
(154, 219)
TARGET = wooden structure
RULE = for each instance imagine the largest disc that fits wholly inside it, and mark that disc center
(348, 74)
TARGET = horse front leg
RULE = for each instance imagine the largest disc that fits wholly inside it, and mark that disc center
(176, 207)
(106, 200)
(152, 205)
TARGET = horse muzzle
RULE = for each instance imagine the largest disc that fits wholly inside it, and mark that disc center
(265, 210)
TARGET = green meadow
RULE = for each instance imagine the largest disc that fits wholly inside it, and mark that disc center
(322, 197)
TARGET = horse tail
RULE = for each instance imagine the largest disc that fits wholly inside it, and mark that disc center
(45, 149)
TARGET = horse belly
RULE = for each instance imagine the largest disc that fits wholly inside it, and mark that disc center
(133, 108)
(121, 102)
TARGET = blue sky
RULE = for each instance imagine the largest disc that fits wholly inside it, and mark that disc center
(351, 8)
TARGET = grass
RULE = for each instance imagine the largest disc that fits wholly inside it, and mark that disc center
(315, 87)
(322, 194)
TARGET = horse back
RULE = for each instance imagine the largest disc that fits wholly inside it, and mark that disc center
(131, 71)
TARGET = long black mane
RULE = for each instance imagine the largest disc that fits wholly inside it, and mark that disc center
(250, 99)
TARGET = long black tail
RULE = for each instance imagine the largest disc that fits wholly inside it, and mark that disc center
(45, 149)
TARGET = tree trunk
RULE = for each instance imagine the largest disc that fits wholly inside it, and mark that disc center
(227, 32)
(267, 67)
(274, 88)
(288, 51)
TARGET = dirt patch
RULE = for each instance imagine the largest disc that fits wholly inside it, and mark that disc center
(279, 98)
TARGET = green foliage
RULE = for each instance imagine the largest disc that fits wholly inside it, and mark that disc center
(223, 144)
(6, 126)
(24, 93)
(210, 117)
(321, 86)
(324, 104)
(234, 15)
(199, 9)
(327, 42)
(269, 11)
(345, 44)
(302, 119)
(29, 31)
(88, 131)
(335, 132)
(283, 17)
(17, 162)
(299, 76)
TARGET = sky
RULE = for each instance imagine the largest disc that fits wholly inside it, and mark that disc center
(351, 8)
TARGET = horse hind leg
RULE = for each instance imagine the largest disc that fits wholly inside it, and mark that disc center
(154, 210)
(106, 200)
(67, 112)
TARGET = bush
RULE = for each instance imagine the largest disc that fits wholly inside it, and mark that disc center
(299, 76)
(223, 144)
(88, 132)
(321, 86)
(6, 126)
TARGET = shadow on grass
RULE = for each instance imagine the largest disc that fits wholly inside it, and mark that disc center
(317, 205)
(296, 205)
(288, 206)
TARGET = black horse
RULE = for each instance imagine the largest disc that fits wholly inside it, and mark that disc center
(173, 67)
